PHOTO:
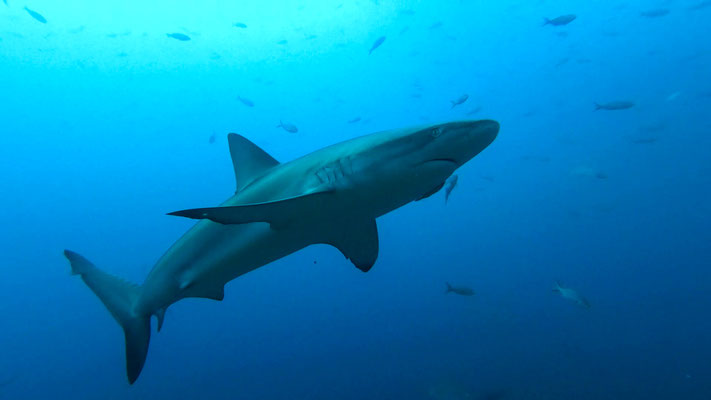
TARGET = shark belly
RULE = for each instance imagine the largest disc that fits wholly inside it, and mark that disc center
(209, 256)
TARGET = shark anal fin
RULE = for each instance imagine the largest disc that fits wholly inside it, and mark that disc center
(248, 159)
(358, 241)
(278, 213)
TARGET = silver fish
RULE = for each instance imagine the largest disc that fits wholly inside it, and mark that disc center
(559, 21)
(451, 183)
(460, 100)
(376, 44)
(291, 128)
(614, 105)
(460, 290)
(179, 36)
(36, 15)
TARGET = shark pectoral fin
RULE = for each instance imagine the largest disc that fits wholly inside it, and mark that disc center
(277, 213)
(248, 159)
(358, 242)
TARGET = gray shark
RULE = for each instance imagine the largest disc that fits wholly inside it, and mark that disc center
(572, 295)
(331, 196)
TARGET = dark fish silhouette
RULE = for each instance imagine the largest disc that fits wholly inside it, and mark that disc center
(460, 100)
(559, 21)
(354, 120)
(436, 25)
(655, 13)
(245, 101)
(700, 6)
(212, 138)
(376, 44)
(450, 185)
(614, 105)
(644, 140)
(460, 290)
(35, 15)
(283, 42)
(291, 128)
(474, 110)
(178, 36)
(239, 25)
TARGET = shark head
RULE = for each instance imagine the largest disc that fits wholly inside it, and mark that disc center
(410, 164)
(452, 142)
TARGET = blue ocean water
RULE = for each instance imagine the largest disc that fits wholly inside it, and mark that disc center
(108, 123)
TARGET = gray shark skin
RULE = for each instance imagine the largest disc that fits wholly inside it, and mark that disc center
(331, 196)
(572, 295)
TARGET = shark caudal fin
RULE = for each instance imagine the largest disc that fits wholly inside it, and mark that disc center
(449, 288)
(119, 297)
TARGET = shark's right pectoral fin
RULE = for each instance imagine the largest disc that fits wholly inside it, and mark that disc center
(278, 213)
(358, 241)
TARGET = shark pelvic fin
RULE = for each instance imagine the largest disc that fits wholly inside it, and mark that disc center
(248, 159)
(278, 213)
(206, 292)
(358, 241)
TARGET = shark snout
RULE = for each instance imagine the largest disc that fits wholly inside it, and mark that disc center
(484, 132)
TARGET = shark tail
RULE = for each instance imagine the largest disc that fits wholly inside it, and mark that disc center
(546, 21)
(557, 287)
(119, 297)
(597, 107)
(449, 288)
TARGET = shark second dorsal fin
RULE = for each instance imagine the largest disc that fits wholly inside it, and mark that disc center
(248, 159)
(358, 241)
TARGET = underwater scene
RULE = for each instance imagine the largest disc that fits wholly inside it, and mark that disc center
(367, 199)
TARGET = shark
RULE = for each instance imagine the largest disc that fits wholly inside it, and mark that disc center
(331, 196)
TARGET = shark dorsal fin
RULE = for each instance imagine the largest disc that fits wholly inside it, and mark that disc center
(248, 159)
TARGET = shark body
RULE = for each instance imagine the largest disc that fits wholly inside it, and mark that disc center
(331, 196)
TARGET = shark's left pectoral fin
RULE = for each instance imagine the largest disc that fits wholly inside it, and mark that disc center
(277, 213)
(358, 241)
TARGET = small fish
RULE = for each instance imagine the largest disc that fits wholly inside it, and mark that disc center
(559, 21)
(178, 36)
(655, 13)
(283, 42)
(475, 110)
(239, 25)
(291, 128)
(245, 101)
(700, 6)
(436, 25)
(614, 105)
(212, 138)
(36, 15)
(460, 100)
(376, 44)
(460, 290)
(354, 120)
(571, 295)
(645, 140)
(450, 185)
(5, 1)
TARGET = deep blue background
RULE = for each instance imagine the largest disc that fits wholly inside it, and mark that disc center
(104, 127)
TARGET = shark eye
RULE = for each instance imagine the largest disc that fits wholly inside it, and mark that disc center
(436, 132)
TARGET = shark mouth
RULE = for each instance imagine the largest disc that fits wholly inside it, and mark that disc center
(447, 160)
